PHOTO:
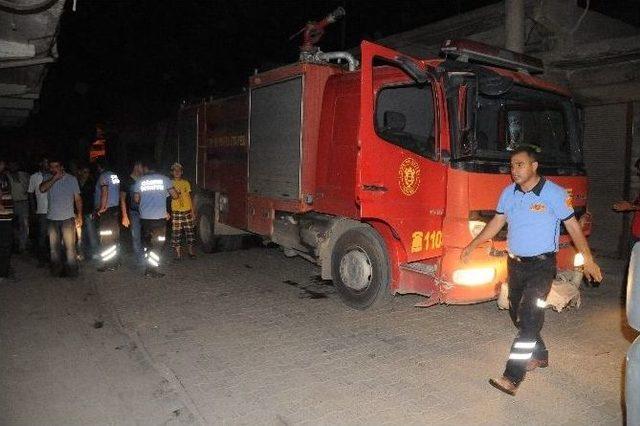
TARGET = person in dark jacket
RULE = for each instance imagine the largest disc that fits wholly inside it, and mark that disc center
(6, 226)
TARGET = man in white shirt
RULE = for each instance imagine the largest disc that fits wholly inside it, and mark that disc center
(39, 204)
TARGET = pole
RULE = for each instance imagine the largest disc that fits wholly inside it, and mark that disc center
(514, 25)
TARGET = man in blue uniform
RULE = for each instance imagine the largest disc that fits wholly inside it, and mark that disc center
(106, 202)
(150, 194)
(533, 207)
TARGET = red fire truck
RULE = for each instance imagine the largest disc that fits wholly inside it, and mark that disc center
(381, 172)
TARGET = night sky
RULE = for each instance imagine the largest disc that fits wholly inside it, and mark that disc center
(133, 61)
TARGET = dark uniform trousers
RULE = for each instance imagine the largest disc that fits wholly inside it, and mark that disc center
(153, 238)
(6, 241)
(529, 285)
(109, 233)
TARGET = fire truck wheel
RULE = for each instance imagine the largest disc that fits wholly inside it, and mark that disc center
(360, 269)
(206, 237)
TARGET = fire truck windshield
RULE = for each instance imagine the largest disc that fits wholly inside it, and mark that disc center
(522, 116)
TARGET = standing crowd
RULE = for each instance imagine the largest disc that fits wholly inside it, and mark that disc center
(73, 216)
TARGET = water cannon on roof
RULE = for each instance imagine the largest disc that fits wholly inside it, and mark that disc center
(470, 50)
(312, 32)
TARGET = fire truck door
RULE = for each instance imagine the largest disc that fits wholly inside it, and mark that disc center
(399, 178)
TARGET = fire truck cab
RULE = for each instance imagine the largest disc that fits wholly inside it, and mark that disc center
(382, 174)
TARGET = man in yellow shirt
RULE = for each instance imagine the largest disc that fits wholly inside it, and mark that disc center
(182, 213)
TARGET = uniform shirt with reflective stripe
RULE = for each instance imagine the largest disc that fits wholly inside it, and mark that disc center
(154, 190)
(534, 217)
(112, 182)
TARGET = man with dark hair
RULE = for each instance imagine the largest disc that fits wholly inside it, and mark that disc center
(63, 194)
(150, 193)
(39, 204)
(6, 219)
(182, 214)
(106, 201)
(627, 206)
(533, 207)
(130, 210)
(19, 192)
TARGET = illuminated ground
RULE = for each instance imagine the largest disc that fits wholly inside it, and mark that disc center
(250, 338)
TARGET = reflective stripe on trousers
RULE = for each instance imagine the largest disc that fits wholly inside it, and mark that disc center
(153, 239)
(529, 285)
(109, 234)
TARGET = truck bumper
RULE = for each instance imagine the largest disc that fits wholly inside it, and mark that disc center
(477, 281)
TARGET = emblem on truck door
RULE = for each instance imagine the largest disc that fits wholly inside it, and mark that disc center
(409, 176)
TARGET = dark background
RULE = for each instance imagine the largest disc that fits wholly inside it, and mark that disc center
(132, 61)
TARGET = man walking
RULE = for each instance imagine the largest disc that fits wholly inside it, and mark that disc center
(39, 204)
(6, 227)
(107, 199)
(19, 181)
(63, 193)
(130, 211)
(150, 193)
(533, 207)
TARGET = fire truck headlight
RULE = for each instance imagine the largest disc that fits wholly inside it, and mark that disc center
(476, 227)
(474, 276)
(578, 260)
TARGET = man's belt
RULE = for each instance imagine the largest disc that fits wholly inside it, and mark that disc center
(537, 258)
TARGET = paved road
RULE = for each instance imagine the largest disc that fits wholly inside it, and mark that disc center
(252, 337)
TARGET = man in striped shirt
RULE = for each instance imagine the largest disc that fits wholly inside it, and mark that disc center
(6, 218)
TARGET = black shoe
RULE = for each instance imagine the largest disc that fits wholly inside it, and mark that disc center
(72, 273)
(107, 268)
(56, 270)
(152, 273)
(505, 385)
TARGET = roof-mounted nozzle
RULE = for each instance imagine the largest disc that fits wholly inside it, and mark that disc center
(312, 33)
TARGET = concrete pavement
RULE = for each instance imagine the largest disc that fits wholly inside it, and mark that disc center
(252, 337)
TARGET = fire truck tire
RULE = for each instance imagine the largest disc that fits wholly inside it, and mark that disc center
(360, 269)
(205, 229)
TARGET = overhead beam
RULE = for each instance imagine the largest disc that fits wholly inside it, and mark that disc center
(12, 121)
(16, 50)
(14, 113)
(16, 103)
(27, 96)
(26, 62)
(12, 89)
